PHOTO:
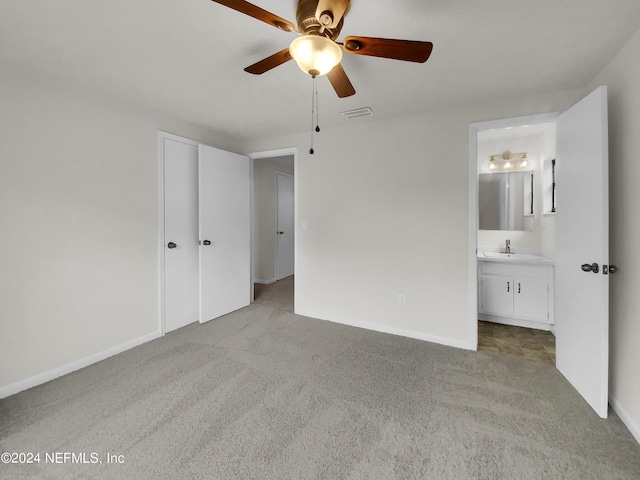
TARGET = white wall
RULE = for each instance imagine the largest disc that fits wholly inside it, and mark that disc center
(79, 226)
(264, 217)
(622, 77)
(387, 209)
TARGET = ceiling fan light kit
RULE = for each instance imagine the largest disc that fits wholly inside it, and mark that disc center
(315, 54)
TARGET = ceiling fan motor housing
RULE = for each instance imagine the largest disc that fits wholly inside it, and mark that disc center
(308, 23)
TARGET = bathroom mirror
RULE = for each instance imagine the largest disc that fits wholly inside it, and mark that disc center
(505, 199)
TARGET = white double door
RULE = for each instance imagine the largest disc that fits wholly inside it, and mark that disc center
(206, 244)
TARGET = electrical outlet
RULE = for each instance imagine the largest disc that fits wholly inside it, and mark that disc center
(402, 300)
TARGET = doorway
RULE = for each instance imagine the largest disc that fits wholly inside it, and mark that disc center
(582, 326)
(512, 207)
(492, 130)
(274, 253)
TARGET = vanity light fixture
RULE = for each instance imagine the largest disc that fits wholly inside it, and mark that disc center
(507, 161)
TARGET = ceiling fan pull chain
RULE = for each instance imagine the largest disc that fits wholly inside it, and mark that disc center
(313, 104)
(317, 106)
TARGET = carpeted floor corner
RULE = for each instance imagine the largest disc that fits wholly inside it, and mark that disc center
(265, 394)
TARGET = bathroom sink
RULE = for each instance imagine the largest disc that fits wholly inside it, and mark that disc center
(513, 256)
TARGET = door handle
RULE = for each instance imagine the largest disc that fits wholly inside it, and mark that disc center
(280, 233)
(206, 242)
(590, 268)
(171, 245)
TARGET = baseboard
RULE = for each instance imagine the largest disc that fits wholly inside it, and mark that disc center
(44, 377)
(264, 282)
(450, 342)
(516, 322)
(626, 419)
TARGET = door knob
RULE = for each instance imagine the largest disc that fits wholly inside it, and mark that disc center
(612, 269)
(280, 233)
(590, 268)
(206, 242)
(171, 245)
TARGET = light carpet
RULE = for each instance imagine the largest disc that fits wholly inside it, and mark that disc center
(263, 394)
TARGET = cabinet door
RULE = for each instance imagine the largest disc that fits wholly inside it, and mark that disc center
(531, 300)
(497, 295)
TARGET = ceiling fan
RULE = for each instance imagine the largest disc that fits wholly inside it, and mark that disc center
(316, 50)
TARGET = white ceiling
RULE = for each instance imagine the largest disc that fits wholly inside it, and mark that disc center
(186, 57)
(508, 133)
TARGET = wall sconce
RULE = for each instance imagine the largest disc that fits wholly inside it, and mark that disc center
(508, 162)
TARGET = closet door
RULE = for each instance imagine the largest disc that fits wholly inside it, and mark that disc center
(225, 232)
(180, 243)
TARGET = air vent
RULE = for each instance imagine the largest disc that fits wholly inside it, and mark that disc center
(357, 113)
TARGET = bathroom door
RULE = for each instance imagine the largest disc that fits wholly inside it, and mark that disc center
(582, 238)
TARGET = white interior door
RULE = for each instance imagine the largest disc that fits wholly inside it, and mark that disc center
(582, 233)
(285, 234)
(180, 229)
(225, 232)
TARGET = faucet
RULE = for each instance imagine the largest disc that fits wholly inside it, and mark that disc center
(507, 246)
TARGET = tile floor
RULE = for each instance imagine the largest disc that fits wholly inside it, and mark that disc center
(528, 343)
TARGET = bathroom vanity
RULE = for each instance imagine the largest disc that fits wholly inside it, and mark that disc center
(515, 289)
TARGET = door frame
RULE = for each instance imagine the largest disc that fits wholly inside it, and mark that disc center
(474, 128)
(162, 318)
(278, 215)
(270, 154)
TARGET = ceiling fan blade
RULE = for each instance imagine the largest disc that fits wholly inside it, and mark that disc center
(408, 50)
(268, 63)
(257, 12)
(336, 9)
(340, 82)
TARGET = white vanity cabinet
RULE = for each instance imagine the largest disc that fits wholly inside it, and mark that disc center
(516, 293)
